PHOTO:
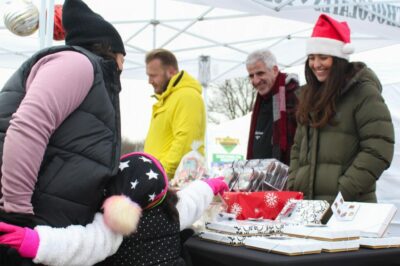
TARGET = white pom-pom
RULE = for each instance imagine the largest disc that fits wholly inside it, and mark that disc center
(348, 48)
(21, 17)
(121, 214)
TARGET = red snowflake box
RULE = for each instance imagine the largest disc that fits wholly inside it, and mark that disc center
(258, 205)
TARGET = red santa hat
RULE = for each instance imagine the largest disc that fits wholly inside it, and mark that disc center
(330, 37)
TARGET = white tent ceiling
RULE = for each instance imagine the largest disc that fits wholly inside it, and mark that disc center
(192, 30)
(373, 17)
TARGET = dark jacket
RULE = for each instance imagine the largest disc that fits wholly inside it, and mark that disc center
(83, 152)
(350, 155)
(156, 242)
(282, 131)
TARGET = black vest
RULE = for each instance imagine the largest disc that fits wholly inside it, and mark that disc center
(82, 154)
(156, 242)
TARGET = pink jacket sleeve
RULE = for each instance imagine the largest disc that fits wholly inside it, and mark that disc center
(56, 86)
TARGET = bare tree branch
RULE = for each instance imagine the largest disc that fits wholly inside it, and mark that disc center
(229, 100)
(128, 146)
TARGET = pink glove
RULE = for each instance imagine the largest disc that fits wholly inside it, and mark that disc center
(23, 239)
(218, 185)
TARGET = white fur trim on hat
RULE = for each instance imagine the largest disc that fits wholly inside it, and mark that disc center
(121, 214)
(348, 48)
(327, 46)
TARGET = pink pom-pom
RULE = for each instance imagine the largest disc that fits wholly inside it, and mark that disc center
(121, 214)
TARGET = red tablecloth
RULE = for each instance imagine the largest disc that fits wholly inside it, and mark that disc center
(263, 204)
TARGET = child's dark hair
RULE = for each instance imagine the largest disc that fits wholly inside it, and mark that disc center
(169, 205)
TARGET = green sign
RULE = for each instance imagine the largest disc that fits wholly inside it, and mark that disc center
(224, 158)
(228, 143)
(228, 147)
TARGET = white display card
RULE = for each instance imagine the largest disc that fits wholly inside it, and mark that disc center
(343, 210)
(372, 219)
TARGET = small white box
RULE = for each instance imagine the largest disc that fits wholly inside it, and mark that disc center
(382, 242)
(321, 232)
(247, 228)
(303, 211)
(232, 240)
(286, 246)
(372, 219)
(340, 246)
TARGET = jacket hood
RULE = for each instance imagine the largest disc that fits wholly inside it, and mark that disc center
(363, 74)
(179, 81)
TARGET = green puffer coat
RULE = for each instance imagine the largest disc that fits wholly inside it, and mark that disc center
(352, 154)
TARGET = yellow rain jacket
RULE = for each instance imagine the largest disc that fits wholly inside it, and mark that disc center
(178, 119)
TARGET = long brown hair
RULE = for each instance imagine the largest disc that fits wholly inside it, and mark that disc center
(102, 49)
(317, 105)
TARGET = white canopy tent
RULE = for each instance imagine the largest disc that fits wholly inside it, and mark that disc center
(372, 17)
(195, 28)
(192, 31)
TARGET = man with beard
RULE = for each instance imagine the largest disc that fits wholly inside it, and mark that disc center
(178, 117)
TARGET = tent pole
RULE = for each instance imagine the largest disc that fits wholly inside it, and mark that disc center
(154, 24)
(200, 18)
(208, 39)
(137, 32)
(49, 23)
(204, 79)
(42, 24)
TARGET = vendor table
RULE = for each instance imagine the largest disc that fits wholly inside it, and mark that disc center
(198, 252)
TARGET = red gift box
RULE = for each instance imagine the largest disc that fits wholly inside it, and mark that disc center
(262, 204)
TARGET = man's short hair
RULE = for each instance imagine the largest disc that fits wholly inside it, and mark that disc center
(166, 57)
(264, 55)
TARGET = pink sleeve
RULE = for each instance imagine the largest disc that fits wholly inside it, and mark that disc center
(56, 86)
